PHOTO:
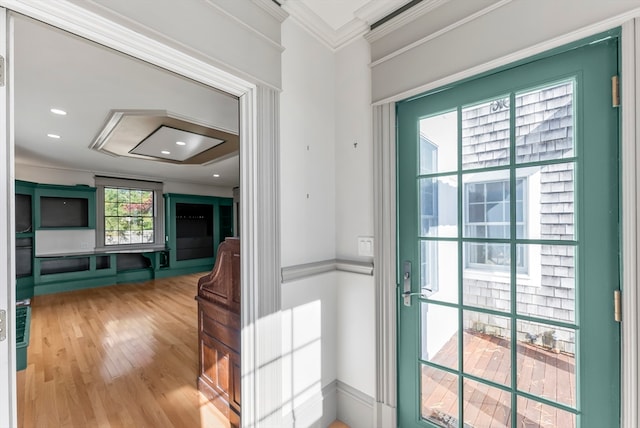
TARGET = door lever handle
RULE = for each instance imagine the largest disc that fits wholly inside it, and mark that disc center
(409, 294)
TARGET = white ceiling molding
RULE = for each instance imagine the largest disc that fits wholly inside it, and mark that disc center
(374, 35)
(335, 39)
(272, 9)
(375, 10)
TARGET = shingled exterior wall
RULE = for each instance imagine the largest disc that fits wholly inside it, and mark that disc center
(545, 285)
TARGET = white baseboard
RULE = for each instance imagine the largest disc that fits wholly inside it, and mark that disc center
(355, 408)
(318, 411)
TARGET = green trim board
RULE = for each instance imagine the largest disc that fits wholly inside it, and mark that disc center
(59, 191)
(479, 241)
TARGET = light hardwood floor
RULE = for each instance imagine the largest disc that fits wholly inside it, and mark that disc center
(119, 356)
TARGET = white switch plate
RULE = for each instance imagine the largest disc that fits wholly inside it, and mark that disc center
(365, 246)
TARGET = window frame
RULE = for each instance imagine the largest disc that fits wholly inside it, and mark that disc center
(158, 213)
(485, 267)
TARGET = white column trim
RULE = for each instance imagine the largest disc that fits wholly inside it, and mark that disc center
(259, 199)
(260, 253)
(630, 161)
(8, 395)
(384, 190)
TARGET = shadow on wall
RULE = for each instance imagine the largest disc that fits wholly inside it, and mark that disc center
(300, 358)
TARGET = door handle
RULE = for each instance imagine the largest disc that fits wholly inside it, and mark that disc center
(406, 277)
(407, 297)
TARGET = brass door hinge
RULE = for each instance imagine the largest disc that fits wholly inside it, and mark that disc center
(617, 306)
(615, 91)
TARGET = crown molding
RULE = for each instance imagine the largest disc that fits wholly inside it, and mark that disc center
(272, 9)
(375, 10)
(311, 22)
(357, 27)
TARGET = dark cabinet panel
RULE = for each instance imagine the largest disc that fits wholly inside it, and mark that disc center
(64, 212)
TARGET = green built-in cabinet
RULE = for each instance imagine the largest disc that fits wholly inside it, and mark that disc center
(194, 226)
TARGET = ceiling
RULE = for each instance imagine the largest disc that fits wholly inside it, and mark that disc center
(54, 69)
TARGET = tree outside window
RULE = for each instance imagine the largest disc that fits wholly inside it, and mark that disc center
(128, 216)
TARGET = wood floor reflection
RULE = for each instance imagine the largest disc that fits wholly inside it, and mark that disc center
(541, 372)
(119, 356)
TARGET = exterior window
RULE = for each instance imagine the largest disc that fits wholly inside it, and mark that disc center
(487, 217)
(129, 214)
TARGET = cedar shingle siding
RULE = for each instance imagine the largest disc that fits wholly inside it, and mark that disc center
(545, 286)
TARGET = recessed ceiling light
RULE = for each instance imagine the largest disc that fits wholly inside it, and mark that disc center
(216, 175)
(181, 143)
(53, 136)
(165, 152)
(58, 111)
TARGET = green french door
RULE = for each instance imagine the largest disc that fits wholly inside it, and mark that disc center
(508, 247)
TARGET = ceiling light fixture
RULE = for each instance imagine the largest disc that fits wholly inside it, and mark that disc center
(53, 136)
(181, 143)
(165, 152)
(216, 175)
(58, 111)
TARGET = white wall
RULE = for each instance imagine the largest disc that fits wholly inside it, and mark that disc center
(309, 322)
(354, 164)
(307, 149)
(325, 109)
(354, 217)
(356, 332)
(68, 177)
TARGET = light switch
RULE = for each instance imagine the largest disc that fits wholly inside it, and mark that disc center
(365, 246)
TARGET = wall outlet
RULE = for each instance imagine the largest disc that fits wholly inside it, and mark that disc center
(365, 246)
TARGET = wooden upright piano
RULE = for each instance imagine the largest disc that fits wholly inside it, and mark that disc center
(219, 331)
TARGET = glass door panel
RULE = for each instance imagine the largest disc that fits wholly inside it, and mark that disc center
(503, 182)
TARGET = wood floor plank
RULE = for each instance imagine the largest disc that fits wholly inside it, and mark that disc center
(119, 356)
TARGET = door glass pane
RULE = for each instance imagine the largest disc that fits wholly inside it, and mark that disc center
(486, 279)
(486, 346)
(438, 206)
(547, 290)
(485, 406)
(439, 143)
(439, 334)
(439, 270)
(485, 134)
(544, 123)
(546, 363)
(547, 210)
(439, 397)
(534, 414)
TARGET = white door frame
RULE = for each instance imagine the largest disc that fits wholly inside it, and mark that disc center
(259, 193)
(7, 252)
(384, 115)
